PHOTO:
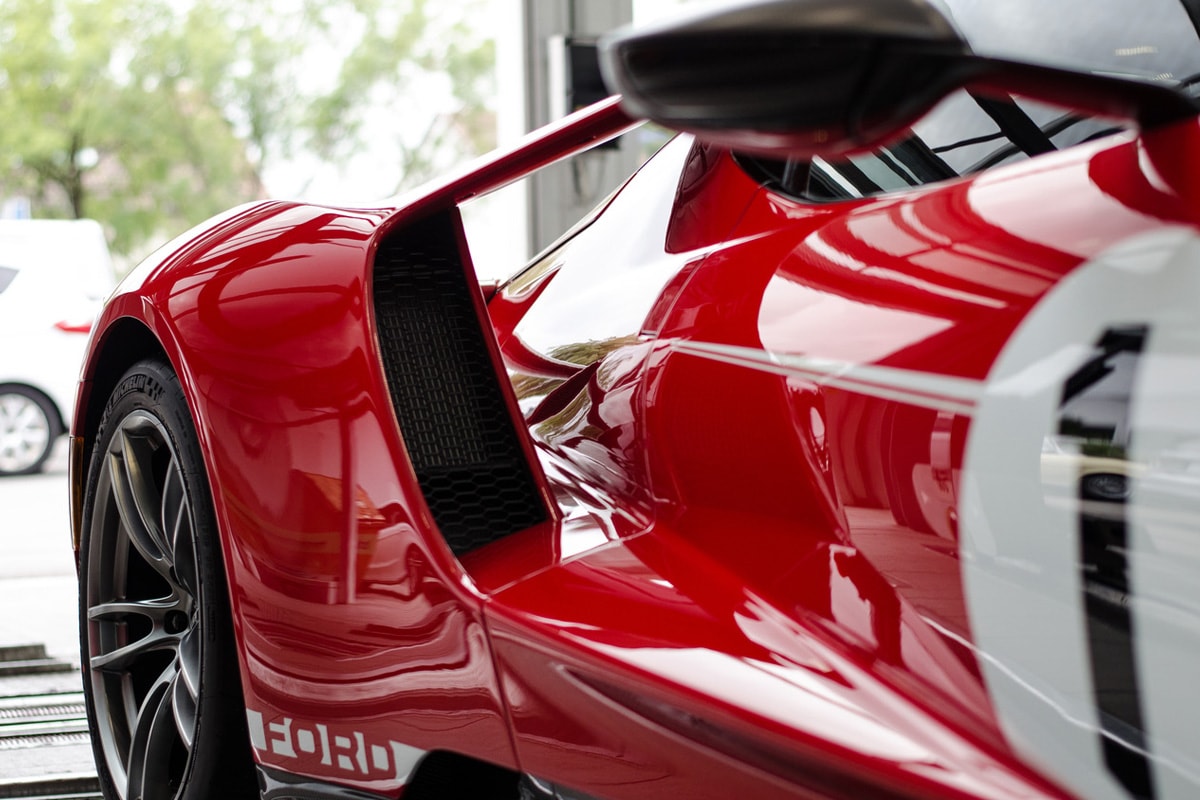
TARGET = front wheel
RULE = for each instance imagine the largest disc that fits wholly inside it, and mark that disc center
(163, 695)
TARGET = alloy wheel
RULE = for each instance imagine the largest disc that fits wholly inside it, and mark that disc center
(25, 432)
(144, 639)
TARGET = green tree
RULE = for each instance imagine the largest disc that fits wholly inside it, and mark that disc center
(150, 115)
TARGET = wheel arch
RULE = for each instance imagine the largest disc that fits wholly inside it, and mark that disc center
(125, 342)
(270, 331)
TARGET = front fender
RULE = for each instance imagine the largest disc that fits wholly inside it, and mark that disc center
(350, 610)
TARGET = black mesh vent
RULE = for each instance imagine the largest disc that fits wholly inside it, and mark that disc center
(445, 391)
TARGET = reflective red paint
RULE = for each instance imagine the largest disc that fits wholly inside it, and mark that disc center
(751, 464)
(753, 586)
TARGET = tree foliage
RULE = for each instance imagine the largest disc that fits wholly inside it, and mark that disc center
(151, 115)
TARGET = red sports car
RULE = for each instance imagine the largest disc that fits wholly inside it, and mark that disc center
(850, 450)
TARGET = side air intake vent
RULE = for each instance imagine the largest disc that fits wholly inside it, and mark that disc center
(445, 391)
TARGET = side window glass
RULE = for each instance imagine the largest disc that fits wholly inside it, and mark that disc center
(965, 134)
(6, 277)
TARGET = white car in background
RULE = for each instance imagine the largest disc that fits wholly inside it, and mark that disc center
(54, 275)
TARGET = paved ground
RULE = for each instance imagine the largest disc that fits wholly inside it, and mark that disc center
(37, 574)
(37, 607)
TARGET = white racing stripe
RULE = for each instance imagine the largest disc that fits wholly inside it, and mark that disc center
(1020, 539)
(938, 392)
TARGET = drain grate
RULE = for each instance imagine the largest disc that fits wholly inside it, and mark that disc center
(26, 741)
(15, 709)
(42, 720)
(53, 787)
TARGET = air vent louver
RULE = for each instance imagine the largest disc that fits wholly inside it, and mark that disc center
(445, 391)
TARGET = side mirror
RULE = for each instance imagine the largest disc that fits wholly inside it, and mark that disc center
(830, 77)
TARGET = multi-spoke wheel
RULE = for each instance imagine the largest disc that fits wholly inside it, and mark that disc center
(28, 428)
(164, 700)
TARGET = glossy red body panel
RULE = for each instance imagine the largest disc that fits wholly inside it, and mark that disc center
(349, 616)
(750, 582)
(319, 538)
(796, 503)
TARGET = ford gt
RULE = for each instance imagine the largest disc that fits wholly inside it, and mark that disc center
(851, 449)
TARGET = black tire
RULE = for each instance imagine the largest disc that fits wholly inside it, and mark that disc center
(29, 426)
(160, 673)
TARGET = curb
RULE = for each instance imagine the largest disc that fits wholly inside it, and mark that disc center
(29, 659)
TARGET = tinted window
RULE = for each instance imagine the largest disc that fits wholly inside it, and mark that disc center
(964, 134)
(1152, 39)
